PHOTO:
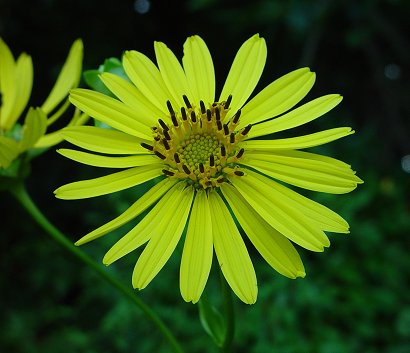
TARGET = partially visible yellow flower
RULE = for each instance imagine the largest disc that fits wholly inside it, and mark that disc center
(16, 81)
(211, 165)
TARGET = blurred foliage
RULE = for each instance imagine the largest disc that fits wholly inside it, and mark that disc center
(355, 296)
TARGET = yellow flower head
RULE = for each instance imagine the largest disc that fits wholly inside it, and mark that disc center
(209, 166)
(16, 81)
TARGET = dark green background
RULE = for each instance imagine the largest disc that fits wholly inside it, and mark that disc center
(355, 297)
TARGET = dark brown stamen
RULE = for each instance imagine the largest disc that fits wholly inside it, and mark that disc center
(166, 134)
(159, 154)
(226, 130)
(202, 104)
(168, 172)
(240, 153)
(187, 103)
(166, 144)
(148, 147)
(236, 117)
(219, 125)
(201, 168)
(174, 120)
(186, 169)
(217, 114)
(228, 102)
(193, 117)
(211, 160)
(169, 106)
(232, 138)
(239, 173)
(220, 180)
(163, 125)
(183, 113)
(176, 157)
(208, 115)
(246, 130)
(223, 151)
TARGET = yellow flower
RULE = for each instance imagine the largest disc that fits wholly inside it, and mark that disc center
(209, 166)
(16, 81)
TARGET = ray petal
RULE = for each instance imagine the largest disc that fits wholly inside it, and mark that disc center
(278, 97)
(199, 70)
(164, 239)
(299, 116)
(108, 183)
(306, 170)
(142, 232)
(231, 252)
(9, 150)
(172, 73)
(274, 210)
(198, 250)
(131, 96)
(146, 76)
(68, 78)
(139, 206)
(34, 127)
(245, 72)
(112, 112)
(103, 140)
(299, 142)
(108, 162)
(276, 249)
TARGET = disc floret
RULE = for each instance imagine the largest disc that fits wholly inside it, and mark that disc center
(199, 144)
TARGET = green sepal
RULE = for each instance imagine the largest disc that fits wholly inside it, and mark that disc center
(212, 321)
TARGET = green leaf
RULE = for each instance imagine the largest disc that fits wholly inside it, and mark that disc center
(212, 321)
(92, 79)
(112, 65)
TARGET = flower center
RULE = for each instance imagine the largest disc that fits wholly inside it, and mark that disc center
(199, 145)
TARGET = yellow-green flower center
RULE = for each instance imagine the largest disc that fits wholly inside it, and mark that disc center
(200, 144)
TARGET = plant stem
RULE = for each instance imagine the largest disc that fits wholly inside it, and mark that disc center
(19, 191)
(229, 315)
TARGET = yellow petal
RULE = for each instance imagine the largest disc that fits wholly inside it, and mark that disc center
(24, 84)
(277, 250)
(143, 231)
(274, 210)
(199, 70)
(172, 74)
(305, 141)
(108, 183)
(131, 96)
(245, 72)
(146, 76)
(112, 112)
(103, 140)
(299, 116)
(7, 86)
(281, 95)
(198, 250)
(108, 162)
(165, 236)
(325, 218)
(56, 137)
(34, 127)
(305, 170)
(145, 201)
(8, 151)
(231, 252)
(68, 78)
(16, 81)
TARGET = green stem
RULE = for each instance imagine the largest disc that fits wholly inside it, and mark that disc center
(19, 191)
(229, 315)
